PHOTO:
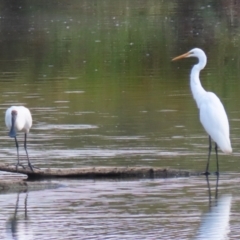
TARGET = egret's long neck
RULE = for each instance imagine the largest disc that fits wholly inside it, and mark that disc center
(196, 86)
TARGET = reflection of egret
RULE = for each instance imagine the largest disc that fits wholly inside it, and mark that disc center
(14, 227)
(212, 113)
(209, 190)
(19, 118)
(215, 223)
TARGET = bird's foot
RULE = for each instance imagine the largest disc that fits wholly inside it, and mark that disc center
(18, 164)
(32, 167)
(206, 173)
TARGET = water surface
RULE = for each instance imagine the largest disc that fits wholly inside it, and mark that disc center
(102, 89)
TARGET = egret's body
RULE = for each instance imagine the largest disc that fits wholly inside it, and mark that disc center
(18, 118)
(212, 113)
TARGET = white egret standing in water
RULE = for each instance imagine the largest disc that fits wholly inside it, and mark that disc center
(212, 113)
(19, 118)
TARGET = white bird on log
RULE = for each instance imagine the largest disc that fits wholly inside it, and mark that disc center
(19, 118)
(212, 113)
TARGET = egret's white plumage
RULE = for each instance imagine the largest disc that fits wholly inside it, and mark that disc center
(212, 113)
(19, 118)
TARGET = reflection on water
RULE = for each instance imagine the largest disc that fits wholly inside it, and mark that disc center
(149, 209)
(17, 226)
(215, 223)
(102, 90)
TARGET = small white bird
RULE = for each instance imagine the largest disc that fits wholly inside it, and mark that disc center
(212, 113)
(18, 118)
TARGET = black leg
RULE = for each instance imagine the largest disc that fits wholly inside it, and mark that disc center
(216, 190)
(25, 147)
(18, 163)
(209, 154)
(17, 149)
(216, 150)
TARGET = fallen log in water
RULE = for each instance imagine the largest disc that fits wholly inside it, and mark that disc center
(97, 172)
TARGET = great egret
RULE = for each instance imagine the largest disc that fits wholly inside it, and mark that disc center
(212, 113)
(18, 118)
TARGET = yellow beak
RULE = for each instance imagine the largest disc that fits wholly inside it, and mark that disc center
(181, 56)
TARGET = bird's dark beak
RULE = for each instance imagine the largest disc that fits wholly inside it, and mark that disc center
(12, 132)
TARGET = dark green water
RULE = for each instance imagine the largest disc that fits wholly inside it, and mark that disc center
(99, 81)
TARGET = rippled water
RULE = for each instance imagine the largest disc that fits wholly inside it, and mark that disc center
(102, 89)
(149, 209)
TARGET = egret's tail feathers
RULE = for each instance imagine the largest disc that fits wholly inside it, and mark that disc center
(224, 144)
(227, 150)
